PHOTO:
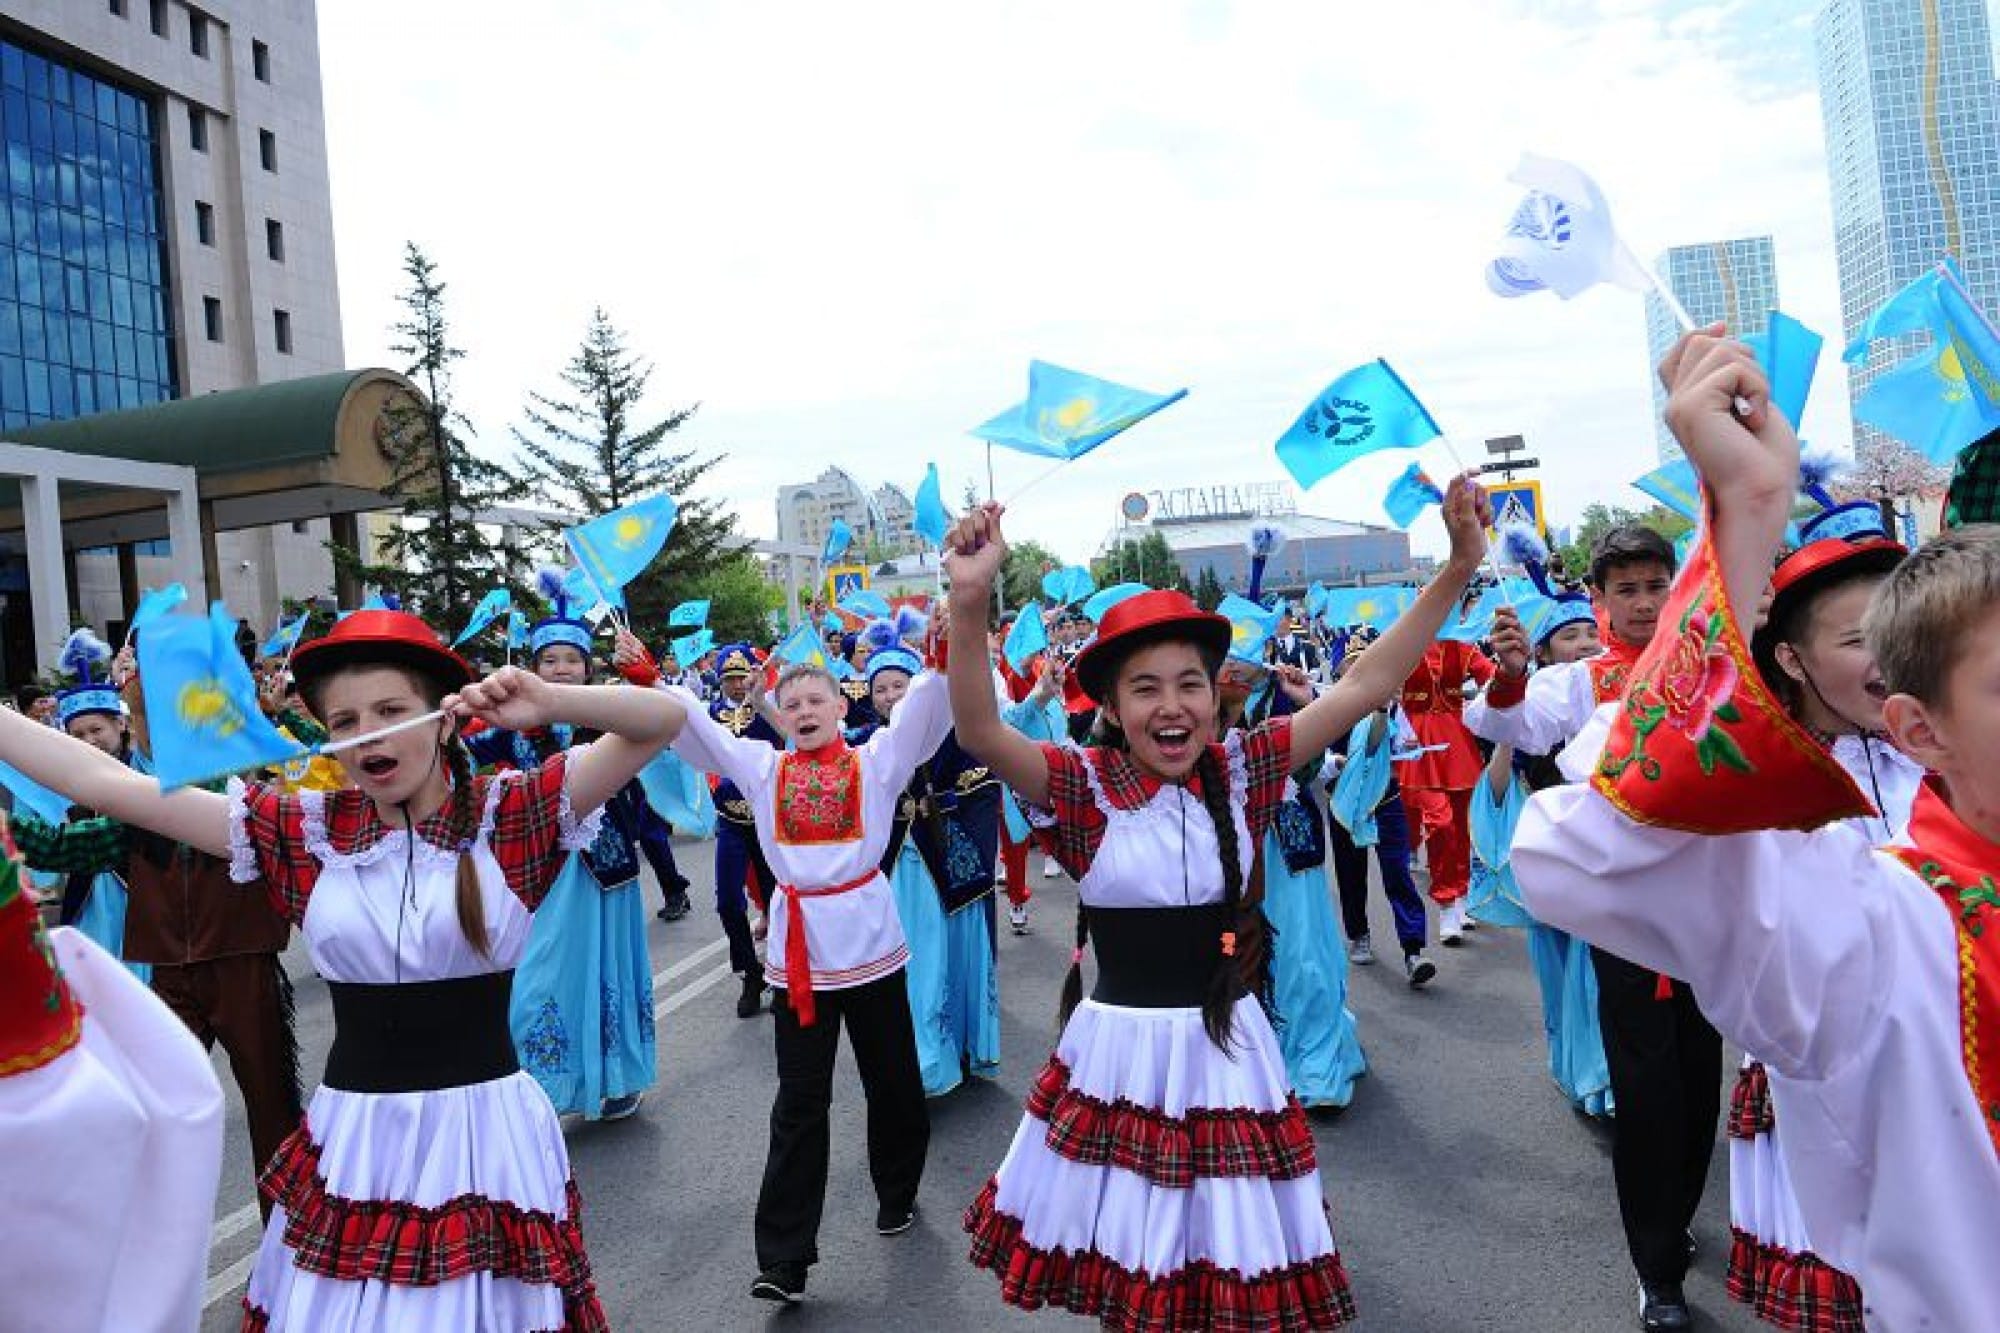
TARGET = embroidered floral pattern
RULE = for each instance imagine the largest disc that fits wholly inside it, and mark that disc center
(607, 1021)
(1692, 692)
(545, 1048)
(819, 799)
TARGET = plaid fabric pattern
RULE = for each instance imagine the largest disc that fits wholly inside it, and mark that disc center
(386, 1240)
(1170, 1152)
(82, 846)
(1750, 1103)
(1079, 825)
(1799, 1292)
(1196, 1298)
(526, 836)
(1974, 494)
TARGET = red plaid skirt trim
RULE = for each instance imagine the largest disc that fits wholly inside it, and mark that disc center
(1799, 1292)
(256, 1320)
(1198, 1298)
(1750, 1103)
(387, 1240)
(1168, 1151)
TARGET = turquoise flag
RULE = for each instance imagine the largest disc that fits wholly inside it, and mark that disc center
(1409, 495)
(802, 646)
(1789, 353)
(1374, 607)
(679, 794)
(286, 636)
(691, 648)
(1068, 413)
(1946, 396)
(688, 615)
(201, 704)
(838, 539)
(156, 602)
(933, 520)
(615, 548)
(32, 797)
(1027, 637)
(868, 605)
(1250, 627)
(491, 607)
(1676, 486)
(1367, 409)
(517, 630)
(1316, 599)
(1106, 598)
(1066, 587)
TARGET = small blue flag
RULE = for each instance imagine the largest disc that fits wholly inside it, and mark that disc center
(1068, 413)
(1069, 585)
(376, 600)
(1027, 637)
(1409, 495)
(1948, 395)
(517, 630)
(1377, 608)
(802, 645)
(868, 605)
(831, 623)
(1676, 486)
(838, 539)
(491, 607)
(1106, 598)
(1250, 627)
(679, 794)
(1367, 409)
(615, 548)
(1789, 353)
(32, 797)
(691, 648)
(286, 636)
(1316, 600)
(156, 602)
(689, 615)
(1474, 624)
(201, 704)
(933, 520)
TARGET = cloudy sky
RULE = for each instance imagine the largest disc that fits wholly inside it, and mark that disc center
(845, 229)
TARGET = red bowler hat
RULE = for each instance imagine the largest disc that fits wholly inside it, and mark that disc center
(1876, 554)
(379, 638)
(1138, 622)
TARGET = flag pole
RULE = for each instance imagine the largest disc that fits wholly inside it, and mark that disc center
(335, 747)
(1037, 480)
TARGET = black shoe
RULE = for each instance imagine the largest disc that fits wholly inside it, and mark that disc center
(677, 906)
(751, 1002)
(895, 1221)
(783, 1282)
(1662, 1306)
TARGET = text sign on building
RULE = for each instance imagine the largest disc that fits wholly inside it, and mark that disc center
(1257, 499)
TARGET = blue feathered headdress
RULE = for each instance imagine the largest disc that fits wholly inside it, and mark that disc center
(558, 626)
(82, 655)
(1265, 541)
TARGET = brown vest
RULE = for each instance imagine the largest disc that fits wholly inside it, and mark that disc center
(185, 909)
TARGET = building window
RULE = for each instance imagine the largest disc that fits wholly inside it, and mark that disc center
(274, 240)
(160, 18)
(118, 8)
(281, 330)
(211, 318)
(260, 61)
(197, 128)
(198, 34)
(204, 222)
(267, 149)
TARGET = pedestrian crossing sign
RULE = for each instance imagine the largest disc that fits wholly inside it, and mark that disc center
(1516, 503)
(843, 581)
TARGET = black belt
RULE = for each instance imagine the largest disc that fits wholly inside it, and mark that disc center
(1156, 957)
(422, 1035)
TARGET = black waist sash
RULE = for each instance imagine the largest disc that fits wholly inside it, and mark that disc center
(1156, 957)
(422, 1035)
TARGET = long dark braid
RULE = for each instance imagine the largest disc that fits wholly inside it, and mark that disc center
(1243, 971)
(1072, 990)
(461, 828)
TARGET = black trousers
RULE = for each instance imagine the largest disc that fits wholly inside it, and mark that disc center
(877, 1016)
(1666, 1075)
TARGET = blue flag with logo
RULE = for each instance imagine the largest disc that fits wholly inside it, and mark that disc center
(1946, 396)
(1409, 495)
(1676, 486)
(1027, 637)
(1789, 353)
(615, 548)
(689, 615)
(838, 538)
(1106, 598)
(1069, 585)
(933, 520)
(1250, 627)
(1068, 413)
(286, 636)
(802, 645)
(1367, 409)
(201, 704)
(491, 607)
(691, 648)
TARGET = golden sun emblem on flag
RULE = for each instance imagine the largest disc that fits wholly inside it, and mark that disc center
(629, 531)
(204, 706)
(1366, 607)
(1241, 631)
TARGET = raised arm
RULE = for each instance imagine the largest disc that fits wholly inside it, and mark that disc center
(1378, 675)
(975, 551)
(92, 778)
(634, 724)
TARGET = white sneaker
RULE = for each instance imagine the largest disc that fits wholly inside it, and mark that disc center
(1049, 868)
(1017, 917)
(1451, 924)
(1361, 951)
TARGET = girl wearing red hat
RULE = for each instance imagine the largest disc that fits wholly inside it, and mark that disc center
(430, 1187)
(1164, 1176)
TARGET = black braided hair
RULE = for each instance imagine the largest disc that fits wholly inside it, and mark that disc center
(461, 827)
(1228, 983)
(1072, 989)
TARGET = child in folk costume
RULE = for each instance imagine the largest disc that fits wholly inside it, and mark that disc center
(1164, 1175)
(739, 852)
(582, 1006)
(1716, 840)
(429, 1187)
(1437, 784)
(1812, 653)
(824, 813)
(111, 1128)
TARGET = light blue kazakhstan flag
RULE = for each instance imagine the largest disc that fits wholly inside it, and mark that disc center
(1367, 409)
(802, 646)
(154, 603)
(1026, 637)
(1409, 495)
(615, 548)
(1068, 585)
(1375, 607)
(1068, 413)
(201, 704)
(689, 615)
(933, 520)
(1676, 486)
(1946, 396)
(1789, 353)
(1250, 627)
(286, 636)
(491, 607)
(838, 538)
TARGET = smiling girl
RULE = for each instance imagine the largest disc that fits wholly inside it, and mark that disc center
(1164, 1176)
(430, 1187)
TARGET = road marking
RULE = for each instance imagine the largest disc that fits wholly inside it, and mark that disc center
(226, 1282)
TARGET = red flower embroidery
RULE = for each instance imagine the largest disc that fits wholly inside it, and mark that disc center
(1698, 678)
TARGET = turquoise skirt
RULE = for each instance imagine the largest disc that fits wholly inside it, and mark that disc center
(953, 984)
(1316, 1030)
(103, 920)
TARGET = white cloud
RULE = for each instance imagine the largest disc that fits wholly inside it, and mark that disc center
(846, 229)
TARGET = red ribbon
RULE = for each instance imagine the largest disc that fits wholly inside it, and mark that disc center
(798, 959)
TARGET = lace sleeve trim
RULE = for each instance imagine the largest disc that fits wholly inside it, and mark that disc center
(242, 852)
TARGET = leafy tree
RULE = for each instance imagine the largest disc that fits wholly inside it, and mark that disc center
(1021, 576)
(438, 559)
(1599, 519)
(587, 453)
(1147, 560)
(1887, 470)
(1208, 589)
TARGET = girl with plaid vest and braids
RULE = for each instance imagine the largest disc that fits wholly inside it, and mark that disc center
(429, 1187)
(1164, 1176)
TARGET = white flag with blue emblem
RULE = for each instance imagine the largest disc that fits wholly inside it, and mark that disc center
(1561, 238)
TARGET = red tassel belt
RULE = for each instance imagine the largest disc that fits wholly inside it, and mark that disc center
(798, 959)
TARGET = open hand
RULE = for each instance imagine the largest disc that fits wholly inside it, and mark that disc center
(1468, 512)
(1510, 642)
(511, 698)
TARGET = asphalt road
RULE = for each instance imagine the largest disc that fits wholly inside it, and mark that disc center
(1465, 1193)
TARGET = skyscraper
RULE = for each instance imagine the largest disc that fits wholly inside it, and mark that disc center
(1735, 282)
(1907, 95)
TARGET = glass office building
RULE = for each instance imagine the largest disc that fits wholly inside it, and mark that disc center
(1731, 282)
(84, 324)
